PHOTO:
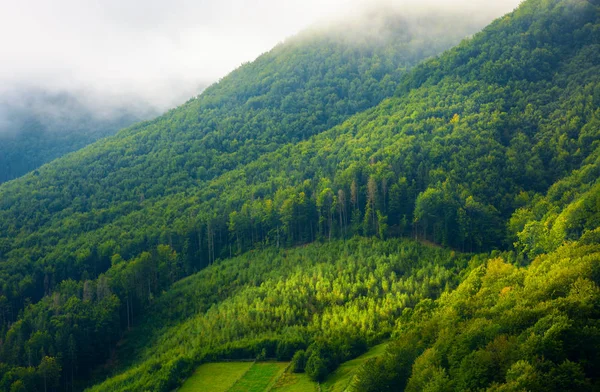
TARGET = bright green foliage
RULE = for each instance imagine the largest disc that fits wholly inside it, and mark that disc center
(336, 299)
(504, 328)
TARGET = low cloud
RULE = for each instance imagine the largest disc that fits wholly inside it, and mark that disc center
(158, 53)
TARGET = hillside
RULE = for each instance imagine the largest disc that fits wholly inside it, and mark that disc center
(503, 327)
(345, 296)
(38, 126)
(471, 137)
(491, 148)
(63, 227)
(508, 327)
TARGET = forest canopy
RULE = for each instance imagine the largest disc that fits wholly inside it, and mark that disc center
(272, 214)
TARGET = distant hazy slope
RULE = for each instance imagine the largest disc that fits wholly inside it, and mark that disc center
(38, 126)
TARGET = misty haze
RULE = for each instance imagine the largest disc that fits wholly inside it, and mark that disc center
(77, 76)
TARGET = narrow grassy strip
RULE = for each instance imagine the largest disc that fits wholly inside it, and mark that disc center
(259, 377)
(294, 382)
(216, 377)
(281, 375)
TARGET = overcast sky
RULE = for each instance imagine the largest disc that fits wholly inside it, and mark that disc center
(157, 49)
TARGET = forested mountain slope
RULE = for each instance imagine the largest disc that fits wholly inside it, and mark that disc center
(471, 137)
(300, 88)
(38, 126)
(449, 161)
(506, 327)
(54, 222)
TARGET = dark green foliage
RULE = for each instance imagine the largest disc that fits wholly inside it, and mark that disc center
(391, 372)
(322, 358)
(316, 367)
(287, 349)
(299, 361)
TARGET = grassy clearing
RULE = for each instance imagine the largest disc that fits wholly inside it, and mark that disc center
(293, 382)
(339, 380)
(270, 376)
(260, 377)
(215, 377)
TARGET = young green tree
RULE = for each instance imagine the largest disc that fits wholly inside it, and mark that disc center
(49, 370)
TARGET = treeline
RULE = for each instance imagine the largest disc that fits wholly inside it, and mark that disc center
(379, 205)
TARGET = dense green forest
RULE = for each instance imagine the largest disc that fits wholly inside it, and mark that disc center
(57, 225)
(38, 126)
(509, 327)
(490, 150)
